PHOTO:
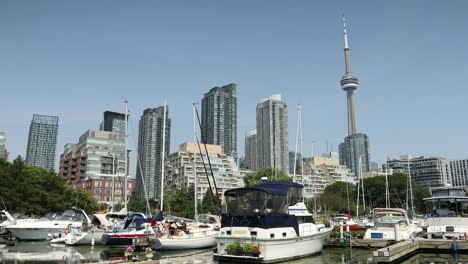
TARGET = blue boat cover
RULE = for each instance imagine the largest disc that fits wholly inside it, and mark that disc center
(279, 188)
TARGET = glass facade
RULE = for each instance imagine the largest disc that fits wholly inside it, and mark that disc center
(42, 141)
(354, 147)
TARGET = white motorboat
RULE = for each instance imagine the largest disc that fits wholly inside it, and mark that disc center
(448, 217)
(391, 224)
(89, 234)
(5, 220)
(42, 229)
(268, 223)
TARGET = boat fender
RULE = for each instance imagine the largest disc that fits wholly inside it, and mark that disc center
(466, 236)
(454, 246)
(66, 230)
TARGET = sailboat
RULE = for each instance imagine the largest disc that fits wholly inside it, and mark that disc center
(193, 235)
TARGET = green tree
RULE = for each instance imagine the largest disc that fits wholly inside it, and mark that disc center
(207, 205)
(251, 179)
(34, 190)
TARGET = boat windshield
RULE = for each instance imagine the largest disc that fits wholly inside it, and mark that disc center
(70, 215)
(390, 219)
(254, 202)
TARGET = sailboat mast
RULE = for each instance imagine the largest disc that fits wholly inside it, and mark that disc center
(162, 156)
(410, 187)
(387, 195)
(126, 156)
(362, 185)
(195, 179)
(295, 149)
(358, 188)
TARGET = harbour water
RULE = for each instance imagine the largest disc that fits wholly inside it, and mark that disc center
(42, 252)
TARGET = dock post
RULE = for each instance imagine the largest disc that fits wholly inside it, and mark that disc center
(341, 232)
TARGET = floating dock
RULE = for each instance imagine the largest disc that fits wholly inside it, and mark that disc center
(403, 250)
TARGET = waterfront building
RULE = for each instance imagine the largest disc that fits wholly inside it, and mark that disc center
(321, 171)
(459, 172)
(186, 165)
(219, 118)
(251, 150)
(94, 162)
(42, 141)
(272, 133)
(355, 145)
(3, 150)
(150, 149)
(114, 122)
(431, 172)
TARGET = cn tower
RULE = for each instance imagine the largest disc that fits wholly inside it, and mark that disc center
(349, 83)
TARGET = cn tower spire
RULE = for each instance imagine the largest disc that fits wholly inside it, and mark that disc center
(349, 83)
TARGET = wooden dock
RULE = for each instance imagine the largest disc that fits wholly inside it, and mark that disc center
(403, 250)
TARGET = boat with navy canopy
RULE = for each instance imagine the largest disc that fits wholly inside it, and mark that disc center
(267, 223)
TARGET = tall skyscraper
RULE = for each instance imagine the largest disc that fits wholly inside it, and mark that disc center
(356, 145)
(150, 149)
(459, 172)
(219, 118)
(272, 133)
(251, 150)
(42, 141)
(114, 122)
(3, 150)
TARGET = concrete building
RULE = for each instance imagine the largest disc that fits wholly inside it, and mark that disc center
(94, 162)
(3, 150)
(431, 172)
(251, 150)
(114, 122)
(181, 167)
(459, 172)
(319, 172)
(356, 144)
(272, 134)
(42, 141)
(219, 118)
(150, 149)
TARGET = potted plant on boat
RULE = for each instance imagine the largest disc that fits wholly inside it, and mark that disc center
(234, 248)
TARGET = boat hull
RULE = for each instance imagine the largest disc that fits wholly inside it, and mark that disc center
(353, 227)
(113, 239)
(275, 250)
(85, 238)
(174, 243)
(39, 233)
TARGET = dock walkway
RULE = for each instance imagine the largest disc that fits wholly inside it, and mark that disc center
(403, 250)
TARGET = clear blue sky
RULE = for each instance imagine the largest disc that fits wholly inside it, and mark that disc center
(76, 59)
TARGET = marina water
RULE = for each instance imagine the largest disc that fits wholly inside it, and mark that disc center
(42, 252)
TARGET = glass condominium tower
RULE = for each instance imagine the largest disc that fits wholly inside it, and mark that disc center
(150, 147)
(219, 118)
(42, 141)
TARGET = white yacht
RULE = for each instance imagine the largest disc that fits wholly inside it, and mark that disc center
(448, 217)
(41, 229)
(268, 223)
(391, 224)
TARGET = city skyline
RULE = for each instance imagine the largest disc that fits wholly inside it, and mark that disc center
(397, 105)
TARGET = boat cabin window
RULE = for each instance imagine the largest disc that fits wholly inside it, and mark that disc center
(254, 202)
(304, 219)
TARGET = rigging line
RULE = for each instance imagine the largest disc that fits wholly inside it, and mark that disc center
(141, 170)
(206, 150)
(207, 176)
